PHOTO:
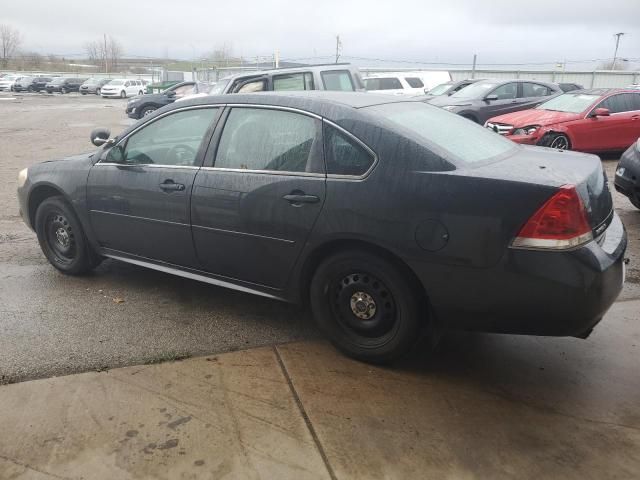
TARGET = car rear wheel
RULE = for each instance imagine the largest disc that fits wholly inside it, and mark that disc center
(140, 92)
(63, 90)
(62, 239)
(366, 306)
(123, 94)
(556, 140)
(97, 91)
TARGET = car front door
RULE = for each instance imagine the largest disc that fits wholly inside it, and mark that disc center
(602, 133)
(139, 192)
(255, 204)
(506, 102)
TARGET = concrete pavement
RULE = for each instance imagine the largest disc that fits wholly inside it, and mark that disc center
(484, 406)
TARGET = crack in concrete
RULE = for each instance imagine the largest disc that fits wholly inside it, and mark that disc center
(29, 467)
(305, 416)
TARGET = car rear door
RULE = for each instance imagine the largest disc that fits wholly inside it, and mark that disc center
(139, 193)
(254, 205)
(532, 94)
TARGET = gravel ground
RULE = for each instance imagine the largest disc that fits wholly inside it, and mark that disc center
(54, 325)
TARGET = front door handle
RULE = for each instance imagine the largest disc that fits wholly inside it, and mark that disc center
(171, 186)
(300, 198)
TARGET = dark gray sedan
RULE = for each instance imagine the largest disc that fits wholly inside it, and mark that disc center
(489, 98)
(392, 218)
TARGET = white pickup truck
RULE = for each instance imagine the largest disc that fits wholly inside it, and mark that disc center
(405, 83)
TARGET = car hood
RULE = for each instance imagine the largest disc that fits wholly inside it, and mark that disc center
(535, 116)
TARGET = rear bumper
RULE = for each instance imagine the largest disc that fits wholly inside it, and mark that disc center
(537, 292)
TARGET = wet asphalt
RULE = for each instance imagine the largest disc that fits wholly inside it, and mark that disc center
(121, 314)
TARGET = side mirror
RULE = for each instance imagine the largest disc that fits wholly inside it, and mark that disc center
(490, 98)
(100, 136)
(600, 112)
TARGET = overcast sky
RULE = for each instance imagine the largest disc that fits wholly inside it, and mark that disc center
(499, 31)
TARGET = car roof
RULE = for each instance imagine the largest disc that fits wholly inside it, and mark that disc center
(324, 67)
(601, 92)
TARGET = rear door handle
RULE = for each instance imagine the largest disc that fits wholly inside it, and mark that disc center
(171, 186)
(300, 198)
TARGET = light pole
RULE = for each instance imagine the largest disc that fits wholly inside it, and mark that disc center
(615, 53)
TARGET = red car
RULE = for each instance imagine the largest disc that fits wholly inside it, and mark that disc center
(596, 120)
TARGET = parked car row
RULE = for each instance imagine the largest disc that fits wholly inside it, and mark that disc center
(55, 84)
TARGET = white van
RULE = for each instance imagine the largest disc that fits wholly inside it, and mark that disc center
(123, 88)
(405, 83)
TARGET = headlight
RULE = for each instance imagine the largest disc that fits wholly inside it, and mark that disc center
(449, 107)
(22, 177)
(526, 130)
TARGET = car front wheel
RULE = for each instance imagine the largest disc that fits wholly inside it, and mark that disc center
(62, 239)
(556, 140)
(367, 306)
(123, 94)
(147, 111)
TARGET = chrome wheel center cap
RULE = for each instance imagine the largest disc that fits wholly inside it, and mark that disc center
(62, 236)
(363, 305)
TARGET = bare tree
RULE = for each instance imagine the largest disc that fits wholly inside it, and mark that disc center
(106, 52)
(9, 42)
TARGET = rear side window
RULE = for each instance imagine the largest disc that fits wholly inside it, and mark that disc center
(293, 81)
(390, 83)
(344, 155)
(414, 82)
(339, 80)
(251, 87)
(270, 140)
(534, 90)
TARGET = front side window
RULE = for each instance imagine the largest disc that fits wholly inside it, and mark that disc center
(251, 87)
(339, 80)
(446, 134)
(414, 82)
(507, 91)
(269, 140)
(293, 82)
(171, 140)
(440, 89)
(389, 83)
(183, 90)
(344, 155)
(623, 102)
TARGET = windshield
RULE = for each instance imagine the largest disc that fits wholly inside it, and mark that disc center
(440, 89)
(453, 137)
(92, 81)
(219, 87)
(57, 81)
(116, 82)
(476, 90)
(570, 103)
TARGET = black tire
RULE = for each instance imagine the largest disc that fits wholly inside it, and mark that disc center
(30, 90)
(555, 140)
(146, 111)
(62, 239)
(367, 306)
(635, 201)
(97, 91)
(83, 93)
(63, 91)
(140, 92)
(123, 94)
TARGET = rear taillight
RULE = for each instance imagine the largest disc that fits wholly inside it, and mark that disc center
(560, 223)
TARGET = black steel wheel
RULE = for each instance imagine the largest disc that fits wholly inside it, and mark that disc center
(62, 239)
(367, 306)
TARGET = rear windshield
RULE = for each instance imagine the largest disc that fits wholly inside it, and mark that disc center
(58, 80)
(453, 137)
(386, 83)
(339, 80)
(570, 103)
(440, 89)
(476, 90)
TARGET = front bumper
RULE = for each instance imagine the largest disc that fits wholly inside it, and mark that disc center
(534, 292)
(110, 94)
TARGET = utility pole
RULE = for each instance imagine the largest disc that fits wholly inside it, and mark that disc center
(473, 68)
(615, 53)
(106, 65)
(276, 59)
(338, 47)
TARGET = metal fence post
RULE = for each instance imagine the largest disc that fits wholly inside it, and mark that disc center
(593, 78)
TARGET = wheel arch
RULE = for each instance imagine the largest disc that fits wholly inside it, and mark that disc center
(470, 116)
(38, 195)
(559, 130)
(323, 251)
